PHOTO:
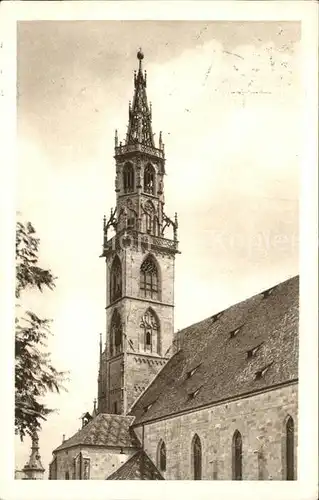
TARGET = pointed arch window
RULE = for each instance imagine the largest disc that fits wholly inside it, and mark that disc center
(161, 456)
(116, 279)
(128, 178)
(149, 180)
(116, 333)
(290, 449)
(150, 331)
(149, 279)
(237, 453)
(197, 457)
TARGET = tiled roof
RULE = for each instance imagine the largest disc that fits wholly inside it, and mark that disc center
(246, 348)
(104, 430)
(138, 467)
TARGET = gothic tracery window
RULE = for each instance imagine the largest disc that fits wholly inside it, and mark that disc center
(150, 331)
(161, 456)
(149, 279)
(116, 279)
(290, 449)
(197, 458)
(149, 180)
(116, 333)
(128, 178)
(237, 453)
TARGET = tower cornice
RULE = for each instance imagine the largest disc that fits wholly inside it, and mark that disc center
(145, 242)
(128, 149)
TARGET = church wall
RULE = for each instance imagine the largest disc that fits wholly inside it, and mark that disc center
(261, 416)
(103, 461)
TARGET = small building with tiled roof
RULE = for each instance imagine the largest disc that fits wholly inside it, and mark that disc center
(102, 445)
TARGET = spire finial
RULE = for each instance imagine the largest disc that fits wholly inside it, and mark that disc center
(140, 57)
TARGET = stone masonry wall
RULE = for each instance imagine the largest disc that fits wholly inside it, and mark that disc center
(140, 371)
(103, 462)
(260, 420)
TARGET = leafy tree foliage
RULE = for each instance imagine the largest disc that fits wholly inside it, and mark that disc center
(34, 374)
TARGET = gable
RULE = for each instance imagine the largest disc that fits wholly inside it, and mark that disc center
(138, 467)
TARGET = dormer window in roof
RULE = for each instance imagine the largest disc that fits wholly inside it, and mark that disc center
(268, 292)
(193, 395)
(233, 333)
(252, 352)
(261, 373)
(215, 317)
(191, 372)
(149, 406)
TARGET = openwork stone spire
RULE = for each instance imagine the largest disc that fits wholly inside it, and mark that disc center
(140, 119)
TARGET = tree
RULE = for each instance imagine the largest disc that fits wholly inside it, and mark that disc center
(34, 374)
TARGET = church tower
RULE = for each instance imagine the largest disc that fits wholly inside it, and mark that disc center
(140, 260)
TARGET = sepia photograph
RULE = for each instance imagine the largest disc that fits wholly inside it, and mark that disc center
(157, 250)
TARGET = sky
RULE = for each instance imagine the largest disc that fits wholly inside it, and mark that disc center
(227, 96)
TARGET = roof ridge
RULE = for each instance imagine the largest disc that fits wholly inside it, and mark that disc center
(218, 313)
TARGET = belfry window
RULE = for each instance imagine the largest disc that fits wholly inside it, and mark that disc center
(161, 456)
(116, 279)
(290, 449)
(237, 452)
(197, 458)
(149, 279)
(150, 331)
(128, 178)
(149, 180)
(116, 334)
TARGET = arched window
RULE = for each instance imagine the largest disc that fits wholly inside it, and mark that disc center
(237, 453)
(290, 449)
(161, 456)
(149, 180)
(67, 475)
(150, 331)
(197, 458)
(149, 279)
(116, 333)
(116, 279)
(128, 178)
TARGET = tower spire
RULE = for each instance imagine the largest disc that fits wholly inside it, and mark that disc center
(139, 128)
